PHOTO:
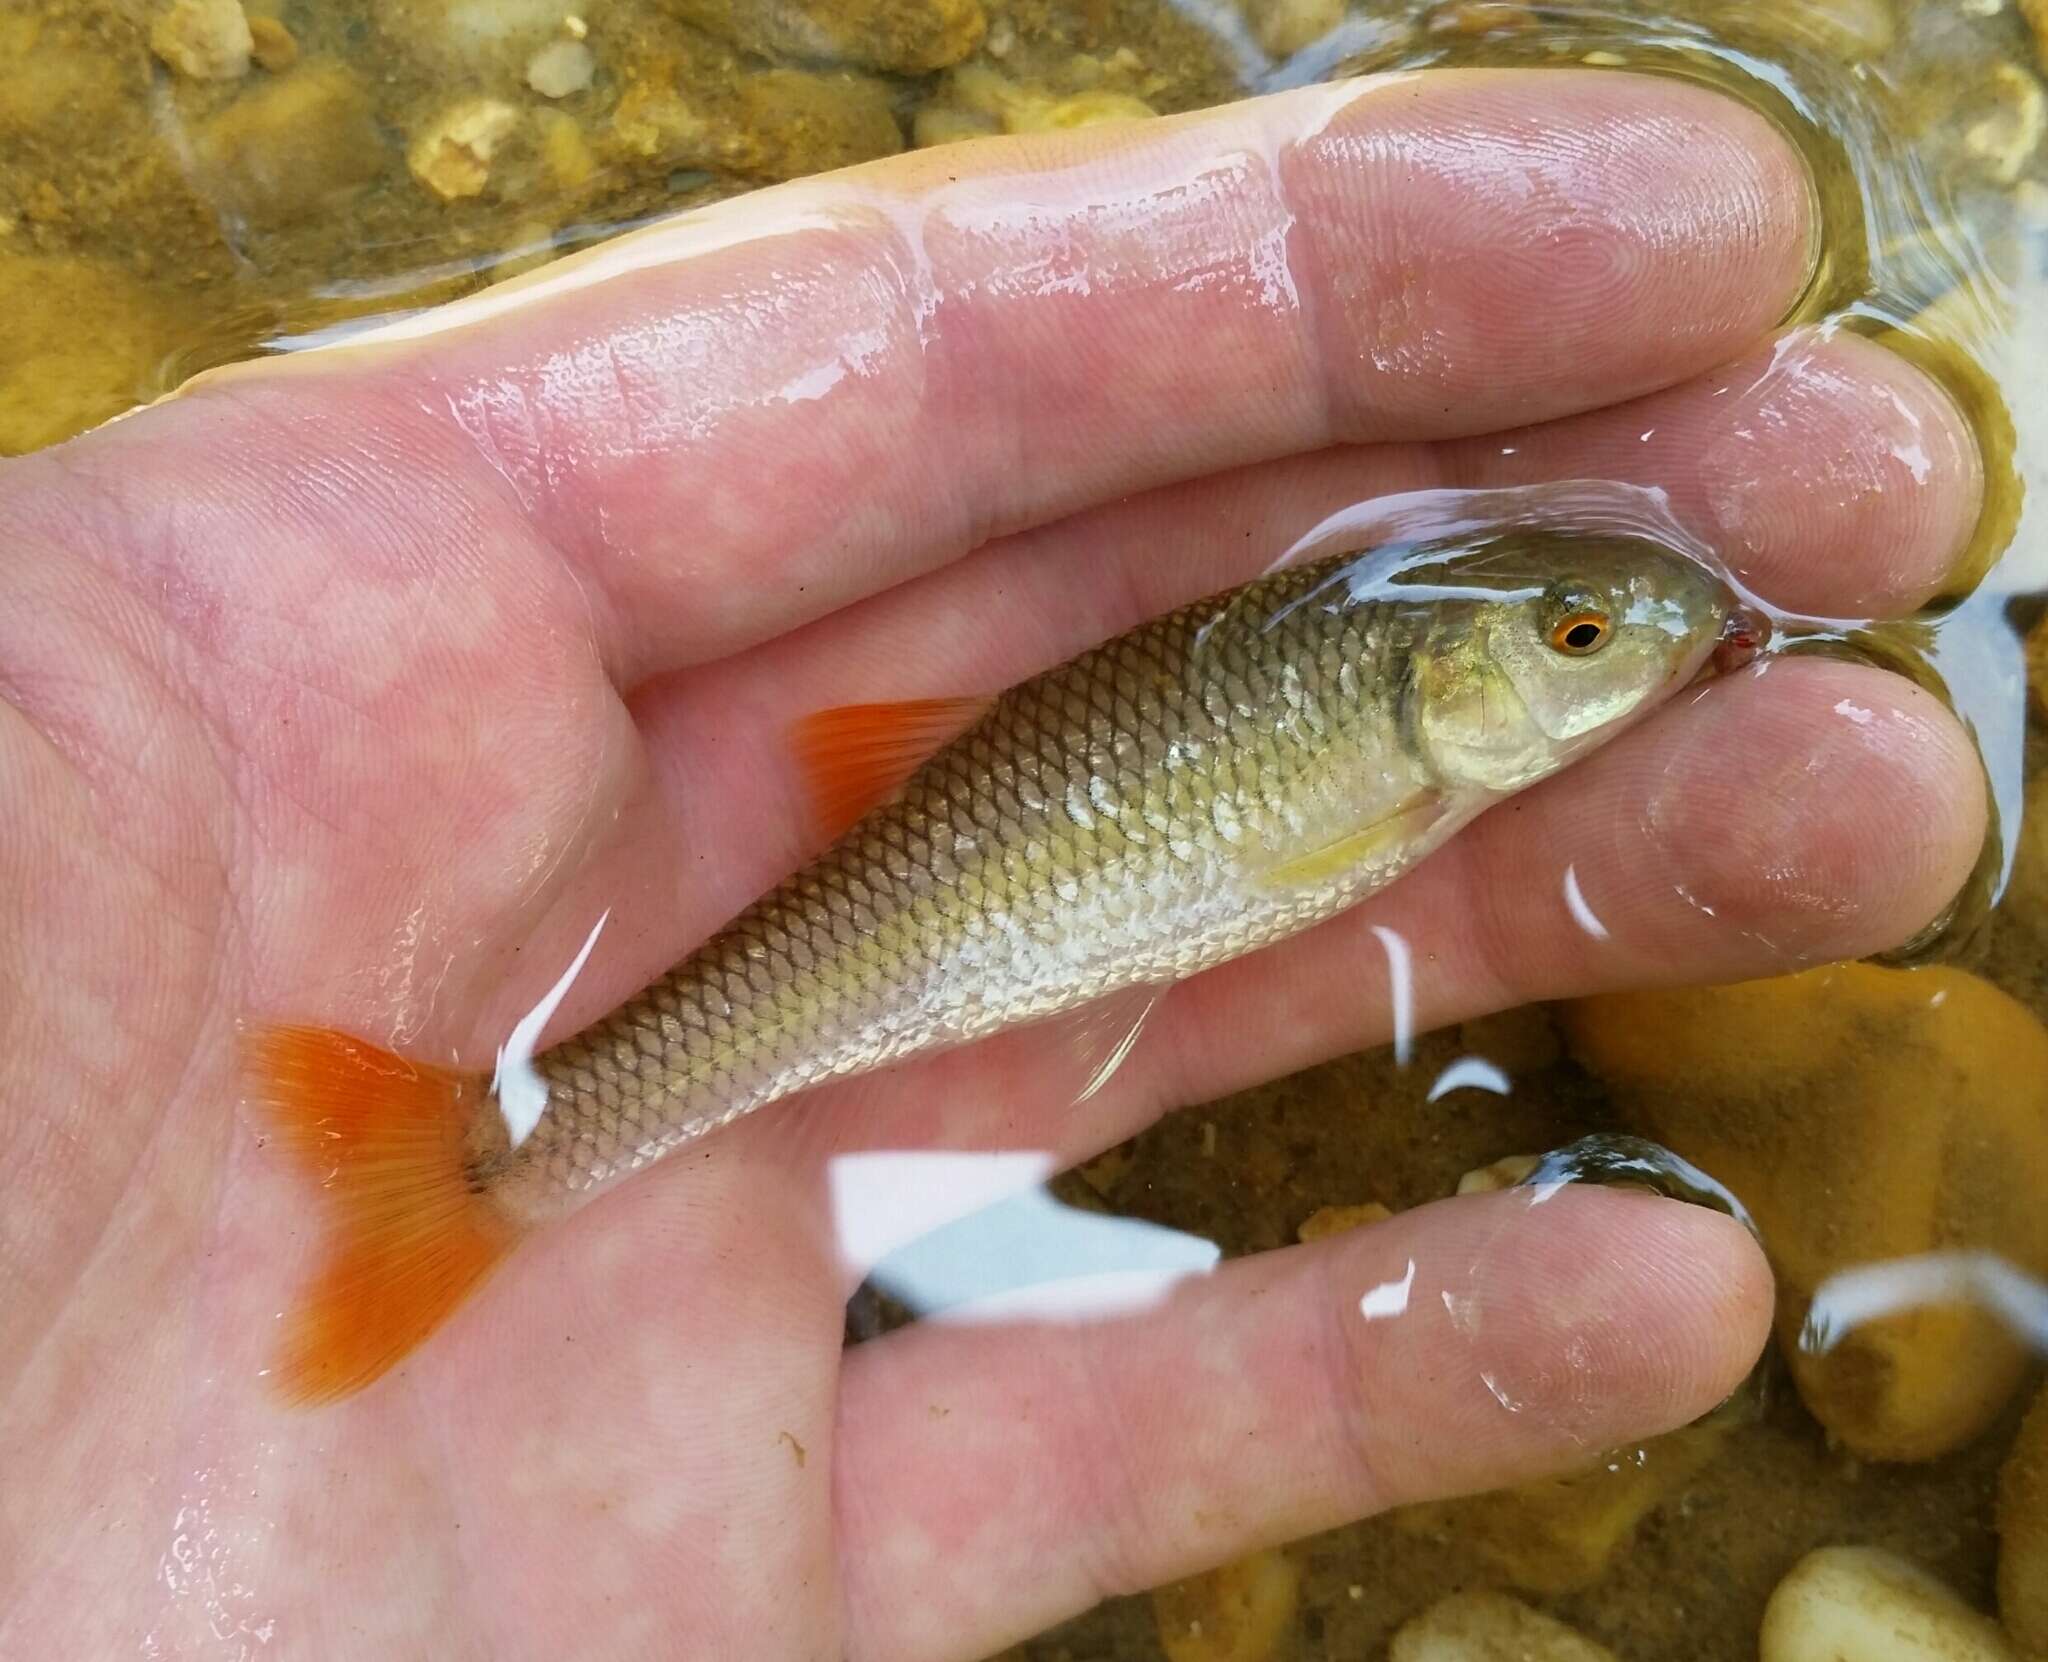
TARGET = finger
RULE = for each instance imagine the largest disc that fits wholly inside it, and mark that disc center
(1833, 521)
(1851, 528)
(1750, 831)
(992, 1481)
(753, 415)
(1830, 475)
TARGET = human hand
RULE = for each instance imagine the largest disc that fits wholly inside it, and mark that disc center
(352, 688)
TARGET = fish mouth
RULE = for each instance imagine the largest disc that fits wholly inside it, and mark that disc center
(1745, 632)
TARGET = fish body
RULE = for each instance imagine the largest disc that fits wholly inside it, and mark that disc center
(1207, 784)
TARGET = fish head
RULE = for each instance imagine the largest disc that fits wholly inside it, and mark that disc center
(1587, 636)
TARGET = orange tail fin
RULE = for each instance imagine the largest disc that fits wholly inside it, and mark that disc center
(412, 1234)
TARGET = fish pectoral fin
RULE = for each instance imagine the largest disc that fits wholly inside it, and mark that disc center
(854, 757)
(1407, 822)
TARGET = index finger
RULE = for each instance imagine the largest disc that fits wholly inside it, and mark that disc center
(752, 415)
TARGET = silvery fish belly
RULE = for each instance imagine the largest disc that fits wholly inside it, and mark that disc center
(1207, 784)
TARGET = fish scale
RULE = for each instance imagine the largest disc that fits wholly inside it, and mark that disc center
(1101, 776)
(1207, 784)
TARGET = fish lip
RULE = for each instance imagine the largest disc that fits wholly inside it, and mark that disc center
(1745, 632)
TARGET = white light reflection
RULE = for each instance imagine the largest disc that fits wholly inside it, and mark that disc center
(522, 1094)
(1389, 1298)
(1575, 903)
(1401, 988)
(1393, 529)
(1870, 1292)
(1470, 1073)
(1405, 518)
(966, 1237)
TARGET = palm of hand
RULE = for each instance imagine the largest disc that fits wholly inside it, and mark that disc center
(317, 711)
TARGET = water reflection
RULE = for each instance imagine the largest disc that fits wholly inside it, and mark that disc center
(1852, 1298)
(974, 1238)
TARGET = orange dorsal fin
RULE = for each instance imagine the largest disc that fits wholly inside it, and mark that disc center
(411, 1232)
(856, 756)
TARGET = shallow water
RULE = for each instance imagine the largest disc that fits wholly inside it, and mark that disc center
(147, 231)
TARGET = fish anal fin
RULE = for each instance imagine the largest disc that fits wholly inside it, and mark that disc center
(854, 757)
(411, 1230)
(1409, 820)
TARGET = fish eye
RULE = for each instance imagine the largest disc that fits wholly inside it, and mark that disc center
(1581, 632)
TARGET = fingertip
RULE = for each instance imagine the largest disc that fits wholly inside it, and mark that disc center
(1532, 211)
(1783, 814)
(1842, 481)
(1617, 1316)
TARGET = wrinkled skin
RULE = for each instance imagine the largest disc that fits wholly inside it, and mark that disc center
(353, 689)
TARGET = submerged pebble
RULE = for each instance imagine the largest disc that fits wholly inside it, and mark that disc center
(1561, 1534)
(2023, 1535)
(275, 47)
(561, 68)
(978, 99)
(1326, 1221)
(452, 154)
(204, 40)
(794, 123)
(909, 37)
(2005, 141)
(1861, 1114)
(1503, 1173)
(85, 336)
(1852, 31)
(462, 41)
(1242, 1612)
(287, 147)
(2035, 14)
(655, 122)
(1284, 27)
(1858, 1604)
(1491, 1627)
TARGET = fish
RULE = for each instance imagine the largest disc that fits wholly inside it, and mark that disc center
(1205, 785)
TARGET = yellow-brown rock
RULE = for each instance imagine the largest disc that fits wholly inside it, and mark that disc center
(981, 99)
(1503, 1173)
(79, 343)
(1852, 31)
(1284, 27)
(2007, 137)
(1326, 1221)
(51, 86)
(2023, 1536)
(564, 152)
(1491, 1627)
(908, 37)
(2026, 896)
(1857, 1604)
(203, 40)
(1862, 1114)
(474, 43)
(1559, 1535)
(274, 46)
(654, 122)
(1242, 1612)
(288, 147)
(2035, 12)
(794, 124)
(451, 155)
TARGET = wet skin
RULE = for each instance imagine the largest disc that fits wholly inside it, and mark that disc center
(353, 689)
